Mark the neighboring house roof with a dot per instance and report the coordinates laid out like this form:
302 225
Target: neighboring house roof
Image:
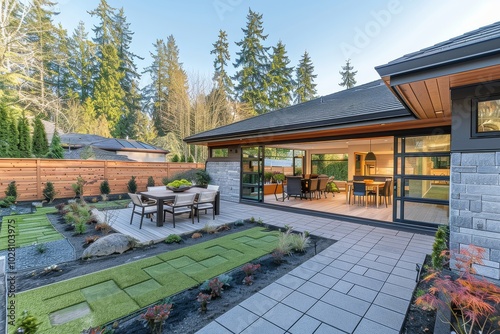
110 144
481 42
365 103
97 154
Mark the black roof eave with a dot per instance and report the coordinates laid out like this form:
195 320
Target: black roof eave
385 116
487 50
131 149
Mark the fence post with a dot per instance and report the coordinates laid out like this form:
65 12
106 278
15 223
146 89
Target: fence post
105 173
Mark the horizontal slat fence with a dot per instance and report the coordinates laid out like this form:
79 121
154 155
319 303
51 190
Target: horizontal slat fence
31 175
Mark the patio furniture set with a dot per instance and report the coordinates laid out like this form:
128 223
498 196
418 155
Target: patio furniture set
160 201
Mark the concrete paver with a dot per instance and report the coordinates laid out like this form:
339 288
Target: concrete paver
361 284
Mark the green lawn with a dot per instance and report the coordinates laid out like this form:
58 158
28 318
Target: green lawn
29 228
95 299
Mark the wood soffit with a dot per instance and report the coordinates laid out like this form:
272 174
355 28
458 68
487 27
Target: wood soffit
331 133
431 98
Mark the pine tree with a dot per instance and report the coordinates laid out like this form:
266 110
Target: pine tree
348 75
280 78
253 63
55 150
305 88
40 146
82 63
221 78
24 142
4 132
108 94
13 138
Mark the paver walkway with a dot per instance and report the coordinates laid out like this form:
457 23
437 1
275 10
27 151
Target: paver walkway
361 284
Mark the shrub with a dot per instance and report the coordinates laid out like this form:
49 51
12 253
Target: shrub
104 187
40 248
132 185
175 158
473 301
7 202
197 176
156 316
12 190
173 238
80 227
439 247
49 192
151 182
27 323
79 186
300 242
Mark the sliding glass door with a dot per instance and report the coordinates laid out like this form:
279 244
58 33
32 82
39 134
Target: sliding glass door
422 179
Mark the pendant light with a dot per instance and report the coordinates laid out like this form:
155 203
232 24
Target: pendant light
370 156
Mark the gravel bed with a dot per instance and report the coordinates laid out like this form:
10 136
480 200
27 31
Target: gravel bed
56 252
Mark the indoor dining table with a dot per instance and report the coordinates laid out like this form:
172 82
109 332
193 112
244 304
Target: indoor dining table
167 194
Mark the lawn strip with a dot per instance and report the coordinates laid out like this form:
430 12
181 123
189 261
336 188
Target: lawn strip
119 291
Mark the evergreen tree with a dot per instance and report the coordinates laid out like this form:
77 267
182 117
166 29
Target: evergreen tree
108 94
40 146
4 132
305 88
253 63
280 78
105 31
37 91
13 138
55 150
348 75
24 142
82 64
221 51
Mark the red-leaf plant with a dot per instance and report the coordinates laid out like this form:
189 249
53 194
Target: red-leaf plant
155 316
472 300
216 287
249 269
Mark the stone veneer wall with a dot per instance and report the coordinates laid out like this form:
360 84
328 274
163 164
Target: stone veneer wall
475 206
226 174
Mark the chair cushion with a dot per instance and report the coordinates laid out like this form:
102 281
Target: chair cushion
178 209
147 209
203 206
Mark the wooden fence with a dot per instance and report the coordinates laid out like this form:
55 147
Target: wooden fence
31 175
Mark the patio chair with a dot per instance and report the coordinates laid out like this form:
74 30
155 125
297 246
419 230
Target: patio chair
385 192
141 208
212 187
294 186
310 187
183 203
206 201
359 190
322 182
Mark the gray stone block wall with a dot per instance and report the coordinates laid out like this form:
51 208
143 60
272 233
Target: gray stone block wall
226 174
475 206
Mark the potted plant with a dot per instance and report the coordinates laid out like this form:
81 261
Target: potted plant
278 177
179 185
268 176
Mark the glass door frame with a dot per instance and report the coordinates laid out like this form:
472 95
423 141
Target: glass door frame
402 179
252 174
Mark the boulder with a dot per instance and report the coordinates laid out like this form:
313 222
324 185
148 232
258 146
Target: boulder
110 244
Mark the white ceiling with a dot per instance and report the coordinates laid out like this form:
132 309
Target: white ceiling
336 144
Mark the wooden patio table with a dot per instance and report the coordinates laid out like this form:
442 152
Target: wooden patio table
165 195
374 184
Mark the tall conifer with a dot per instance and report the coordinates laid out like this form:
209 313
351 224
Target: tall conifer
40 146
305 88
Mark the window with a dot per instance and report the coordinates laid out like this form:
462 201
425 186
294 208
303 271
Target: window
220 153
330 164
487 117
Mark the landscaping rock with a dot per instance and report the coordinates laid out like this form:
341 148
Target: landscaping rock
113 243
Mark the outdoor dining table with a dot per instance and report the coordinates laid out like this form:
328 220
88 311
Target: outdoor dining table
165 195
374 184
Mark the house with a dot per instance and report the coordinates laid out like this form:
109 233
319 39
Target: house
432 121
88 146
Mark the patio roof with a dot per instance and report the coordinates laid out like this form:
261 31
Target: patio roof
423 79
362 105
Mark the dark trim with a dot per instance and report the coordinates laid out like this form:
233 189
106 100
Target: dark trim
381 117
487 50
422 228
474 118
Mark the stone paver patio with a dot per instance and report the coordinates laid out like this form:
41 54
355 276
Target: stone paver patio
362 284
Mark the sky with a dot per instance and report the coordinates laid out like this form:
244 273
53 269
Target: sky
369 33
